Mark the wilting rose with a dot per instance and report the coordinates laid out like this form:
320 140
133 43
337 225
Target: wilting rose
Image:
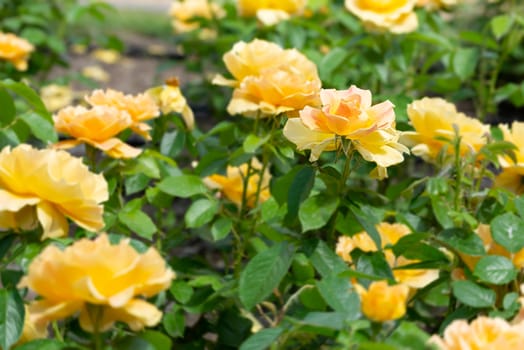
141 107
184 13
349 114
15 50
270 12
269 80
169 99
98 127
482 333
232 184
56 96
382 302
512 172
46 187
435 118
97 280
390 234
396 16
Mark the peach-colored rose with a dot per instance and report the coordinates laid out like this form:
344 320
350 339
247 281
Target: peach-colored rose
483 333
46 186
269 80
100 281
381 302
396 16
434 118
141 107
97 127
15 50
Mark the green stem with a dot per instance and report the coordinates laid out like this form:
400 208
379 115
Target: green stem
91 155
96 313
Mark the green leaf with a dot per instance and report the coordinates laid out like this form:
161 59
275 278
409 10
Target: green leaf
12 315
332 61
367 218
183 186
316 211
508 231
174 323
299 191
182 291
30 96
8 112
221 228
40 127
201 212
519 205
464 241
262 339
500 25
495 269
264 273
408 336
44 344
464 62
325 261
339 294
253 142
330 320
158 340
136 220
172 143
472 294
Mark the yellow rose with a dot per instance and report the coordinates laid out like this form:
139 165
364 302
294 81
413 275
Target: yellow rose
100 281
141 107
184 13
15 50
436 4
511 176
169 99
106 56
31 330
434 118
97 127
482 333
396 16
390 234
269 80
270 12
232 185
350 114
56 96
96 73
382 302
46 186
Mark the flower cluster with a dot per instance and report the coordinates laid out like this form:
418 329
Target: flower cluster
15 50
270 12
100 281
349 115
269 80
396 16
46 186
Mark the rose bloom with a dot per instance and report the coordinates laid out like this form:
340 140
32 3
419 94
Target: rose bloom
46 186
512 173
492 248
270 12
141 107
436 4
184 12
482 333
390 234
97 280
31 331
350 114
434 118
96 73
382 302
15 50
56 96
396 16
232 184
169 99
269 80
97 127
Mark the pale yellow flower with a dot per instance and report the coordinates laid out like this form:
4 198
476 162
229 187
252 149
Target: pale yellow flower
15 50
184 13
106 56
169 99
271 12
483 333
141 107
350 114
269 80
46 186
32 330
232 184
434 119
56 96
390 234
96 73
512 173
396 16
436 4
97 280
382 302
98 127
